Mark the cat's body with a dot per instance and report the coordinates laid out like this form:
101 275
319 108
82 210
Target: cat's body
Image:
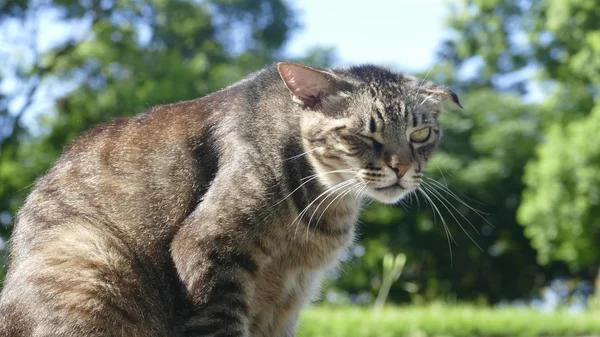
187 220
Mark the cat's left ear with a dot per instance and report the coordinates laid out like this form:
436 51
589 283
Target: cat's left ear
309 86
445 94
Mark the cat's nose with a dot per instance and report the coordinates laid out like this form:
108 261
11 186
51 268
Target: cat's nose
399 163
401 169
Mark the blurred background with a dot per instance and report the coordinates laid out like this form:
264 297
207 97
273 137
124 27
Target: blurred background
517 178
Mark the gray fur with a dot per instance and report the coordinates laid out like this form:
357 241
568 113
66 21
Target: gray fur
197 218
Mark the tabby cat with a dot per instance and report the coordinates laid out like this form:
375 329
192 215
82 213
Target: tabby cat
216 216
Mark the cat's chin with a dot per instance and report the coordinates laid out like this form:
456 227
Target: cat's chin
390 194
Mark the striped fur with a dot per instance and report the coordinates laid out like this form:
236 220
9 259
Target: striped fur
216 216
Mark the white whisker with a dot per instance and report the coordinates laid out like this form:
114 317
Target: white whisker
453 195
358 194
414 193
315 200
432 187
435 195
347 183
404 204
310 178
421 82
426 99
446 229
328 172
339 196
301 154
442 174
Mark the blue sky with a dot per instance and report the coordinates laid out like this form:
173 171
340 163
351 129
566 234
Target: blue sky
401 33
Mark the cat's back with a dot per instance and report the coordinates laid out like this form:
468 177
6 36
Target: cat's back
127 171
91 244
94 231
134 178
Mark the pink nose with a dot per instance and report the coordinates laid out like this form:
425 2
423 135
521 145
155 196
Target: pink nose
402 169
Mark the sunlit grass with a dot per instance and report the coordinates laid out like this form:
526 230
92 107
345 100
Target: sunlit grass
442 320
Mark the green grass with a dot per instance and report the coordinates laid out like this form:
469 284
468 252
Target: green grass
444 320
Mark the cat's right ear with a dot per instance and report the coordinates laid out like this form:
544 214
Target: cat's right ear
308 86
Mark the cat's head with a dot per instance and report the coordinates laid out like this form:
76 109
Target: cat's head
367 127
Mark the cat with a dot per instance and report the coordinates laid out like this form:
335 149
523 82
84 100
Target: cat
216 216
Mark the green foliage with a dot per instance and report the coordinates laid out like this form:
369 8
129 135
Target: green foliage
551 46
562 203
392 269
444 320
561 206
559 40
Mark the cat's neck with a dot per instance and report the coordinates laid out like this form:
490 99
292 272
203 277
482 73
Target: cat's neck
328 207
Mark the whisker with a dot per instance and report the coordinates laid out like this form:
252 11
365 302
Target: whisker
446 187
404 204
301 154
310 178
299 217
348 182
426 99
452 214
439 214
341 195
442 174
328 172
414 193
423 80
367 201
446 229
24 187
457 198
297 188
315 200
427 200
449 203
358 194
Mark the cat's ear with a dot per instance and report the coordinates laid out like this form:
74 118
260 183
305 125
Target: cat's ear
308 86
445 94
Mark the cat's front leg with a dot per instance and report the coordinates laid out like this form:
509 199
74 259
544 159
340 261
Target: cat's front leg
217 271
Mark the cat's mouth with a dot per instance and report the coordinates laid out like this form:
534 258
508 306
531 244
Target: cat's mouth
385 186
389 187
392 193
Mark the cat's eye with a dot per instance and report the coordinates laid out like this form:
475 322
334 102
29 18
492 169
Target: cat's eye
377 146
420 136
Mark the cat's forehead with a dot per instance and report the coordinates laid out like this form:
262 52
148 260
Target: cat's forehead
389 91
380 81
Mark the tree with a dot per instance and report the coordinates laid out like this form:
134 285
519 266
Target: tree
107 59
561 206
546 50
